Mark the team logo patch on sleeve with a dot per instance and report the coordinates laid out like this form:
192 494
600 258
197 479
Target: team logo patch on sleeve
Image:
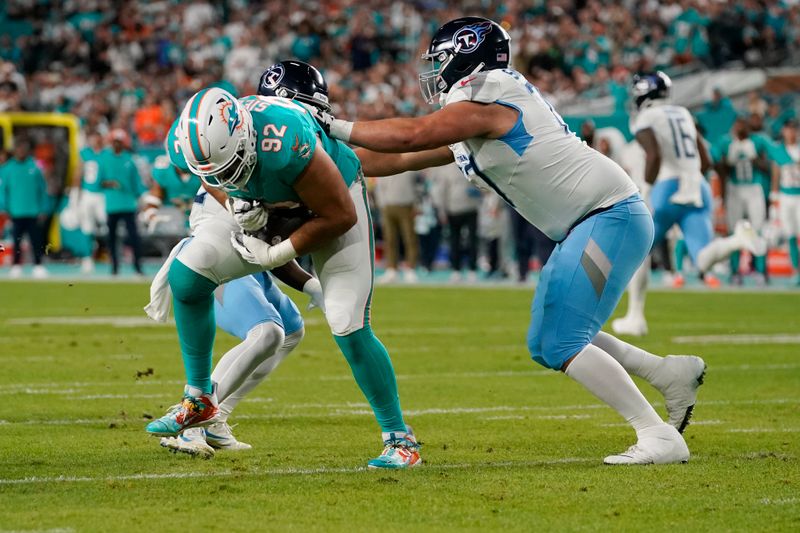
468 38
303 150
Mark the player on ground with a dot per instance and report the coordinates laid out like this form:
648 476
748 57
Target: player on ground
505 136
786 190
675 161
272 151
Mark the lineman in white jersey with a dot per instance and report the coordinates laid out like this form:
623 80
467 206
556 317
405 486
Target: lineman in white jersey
675 160
505 136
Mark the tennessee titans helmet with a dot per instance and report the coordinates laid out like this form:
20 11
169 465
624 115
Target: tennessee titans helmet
462 47
650 86
295 80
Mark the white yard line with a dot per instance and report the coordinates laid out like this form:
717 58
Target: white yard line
41 388
763 430
113 321
775 338
780 501
349 409
282 472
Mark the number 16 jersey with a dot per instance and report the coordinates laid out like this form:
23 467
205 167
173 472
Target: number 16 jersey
673 127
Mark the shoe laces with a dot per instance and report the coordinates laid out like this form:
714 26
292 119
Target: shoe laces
224 427
631 451
191 404
174 408
402 442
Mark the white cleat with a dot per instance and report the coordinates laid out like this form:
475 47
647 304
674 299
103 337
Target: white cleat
658 445
220 436
390 276
678 378
15 272
39 272
87 265
749 238
192 442
409 276
634 326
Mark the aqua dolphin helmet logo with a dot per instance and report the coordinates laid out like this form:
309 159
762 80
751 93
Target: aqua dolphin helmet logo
468 38
232 115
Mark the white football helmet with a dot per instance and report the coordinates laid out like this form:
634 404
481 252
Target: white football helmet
217 139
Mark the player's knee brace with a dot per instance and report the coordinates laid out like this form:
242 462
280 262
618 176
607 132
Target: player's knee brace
187 285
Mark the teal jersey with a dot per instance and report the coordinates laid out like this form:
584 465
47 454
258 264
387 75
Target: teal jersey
121 170
23 190
179 188
287 137
740 155
91 170
788 159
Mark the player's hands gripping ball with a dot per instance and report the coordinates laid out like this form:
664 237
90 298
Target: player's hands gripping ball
249 214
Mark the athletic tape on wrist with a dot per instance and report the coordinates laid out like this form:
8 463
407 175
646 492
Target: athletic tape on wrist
341 129
283 252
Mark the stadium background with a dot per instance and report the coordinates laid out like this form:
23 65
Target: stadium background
132 65
508 446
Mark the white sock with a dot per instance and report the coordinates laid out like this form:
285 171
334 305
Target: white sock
259 374
633 359
605 378
262 341
637 290
717 250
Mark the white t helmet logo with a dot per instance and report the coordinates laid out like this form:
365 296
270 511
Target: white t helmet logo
468 38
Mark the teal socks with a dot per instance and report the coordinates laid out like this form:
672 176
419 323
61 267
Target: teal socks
193 303
680 254
794 252
372 370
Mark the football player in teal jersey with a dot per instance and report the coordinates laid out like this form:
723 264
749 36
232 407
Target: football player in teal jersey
173 183
271 152
92 200
786 190
743 163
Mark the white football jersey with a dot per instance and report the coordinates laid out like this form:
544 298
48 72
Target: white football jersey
542 169
676 135
206 209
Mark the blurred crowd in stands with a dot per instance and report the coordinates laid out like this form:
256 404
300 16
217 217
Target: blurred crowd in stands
129 66
132 63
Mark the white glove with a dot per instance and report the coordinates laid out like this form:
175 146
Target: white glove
338 129
258 252
249 214
314 289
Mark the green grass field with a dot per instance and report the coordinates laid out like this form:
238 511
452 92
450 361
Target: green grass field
508 445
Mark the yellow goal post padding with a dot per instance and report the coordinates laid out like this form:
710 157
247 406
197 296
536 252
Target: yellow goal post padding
63 120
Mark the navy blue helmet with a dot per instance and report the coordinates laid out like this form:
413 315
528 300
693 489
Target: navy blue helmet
460 48
295 80
650 86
